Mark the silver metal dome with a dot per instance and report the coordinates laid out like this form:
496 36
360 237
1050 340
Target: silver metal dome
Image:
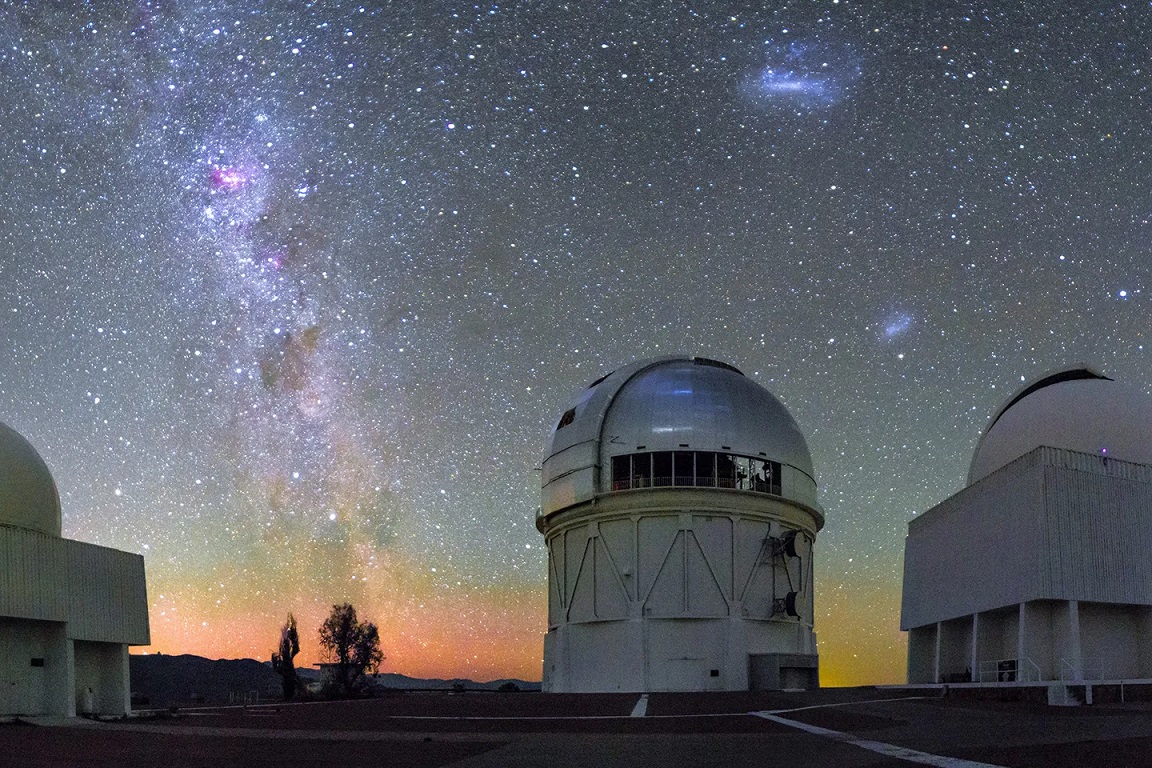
671 404
702 405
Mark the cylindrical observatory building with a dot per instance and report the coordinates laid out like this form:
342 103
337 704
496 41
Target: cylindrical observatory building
679 508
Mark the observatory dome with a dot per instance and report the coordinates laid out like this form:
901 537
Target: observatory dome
676 421
28 495
1077 409
705 405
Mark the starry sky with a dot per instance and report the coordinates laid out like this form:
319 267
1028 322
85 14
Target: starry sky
292 293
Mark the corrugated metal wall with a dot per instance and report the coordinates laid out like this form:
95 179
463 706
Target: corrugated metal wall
981 549
1099 530
100 592
33 569
1053 524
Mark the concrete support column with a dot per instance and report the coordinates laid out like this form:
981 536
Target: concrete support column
61 673
973 658
1021 645
1077 660
936 673
125 693
735 669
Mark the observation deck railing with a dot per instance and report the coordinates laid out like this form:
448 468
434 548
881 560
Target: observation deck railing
1009 671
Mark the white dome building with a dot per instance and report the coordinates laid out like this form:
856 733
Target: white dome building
679 509
68 610
1041 568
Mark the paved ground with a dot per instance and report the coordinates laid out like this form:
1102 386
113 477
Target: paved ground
846 728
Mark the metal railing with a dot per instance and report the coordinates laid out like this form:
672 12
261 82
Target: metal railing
1022 670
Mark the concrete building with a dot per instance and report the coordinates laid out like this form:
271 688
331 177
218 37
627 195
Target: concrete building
68 610
1041 568
679 509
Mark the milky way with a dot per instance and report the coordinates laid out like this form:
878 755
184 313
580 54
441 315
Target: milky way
292 293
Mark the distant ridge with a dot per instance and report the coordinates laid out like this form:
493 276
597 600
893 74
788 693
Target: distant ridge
403 682
161 681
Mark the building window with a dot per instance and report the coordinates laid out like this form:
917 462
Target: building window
662 468
641 470
705 469
621 473
685 473
725 471
700 469
37 662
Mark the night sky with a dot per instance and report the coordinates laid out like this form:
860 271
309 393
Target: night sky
292 294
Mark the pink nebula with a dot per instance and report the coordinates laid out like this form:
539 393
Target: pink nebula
229 179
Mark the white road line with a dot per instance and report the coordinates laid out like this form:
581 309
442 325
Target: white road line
644 712
888 750
841 704
532 719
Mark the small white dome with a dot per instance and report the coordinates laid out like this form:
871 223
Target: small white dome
1078 409
28 495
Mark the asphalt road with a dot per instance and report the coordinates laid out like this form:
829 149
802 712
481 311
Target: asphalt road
844 728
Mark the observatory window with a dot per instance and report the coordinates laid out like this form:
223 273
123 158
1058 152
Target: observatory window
621 473
568 417
685 468
765 476
641 470
706 469
725 471
631 471
743 472
662 468
700 469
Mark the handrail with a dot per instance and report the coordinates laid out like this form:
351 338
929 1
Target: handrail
1013 670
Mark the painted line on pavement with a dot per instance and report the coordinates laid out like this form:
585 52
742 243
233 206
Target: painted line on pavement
879 747
533 718
839 704
644 712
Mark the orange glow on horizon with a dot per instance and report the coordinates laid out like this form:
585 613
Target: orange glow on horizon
476 634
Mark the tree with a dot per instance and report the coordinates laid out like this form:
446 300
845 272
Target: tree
282 662
352 648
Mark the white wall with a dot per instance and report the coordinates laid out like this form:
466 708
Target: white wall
34 690
978 550
657 598
100 592
1052 525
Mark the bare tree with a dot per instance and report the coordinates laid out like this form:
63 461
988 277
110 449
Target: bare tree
352 647
282 662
